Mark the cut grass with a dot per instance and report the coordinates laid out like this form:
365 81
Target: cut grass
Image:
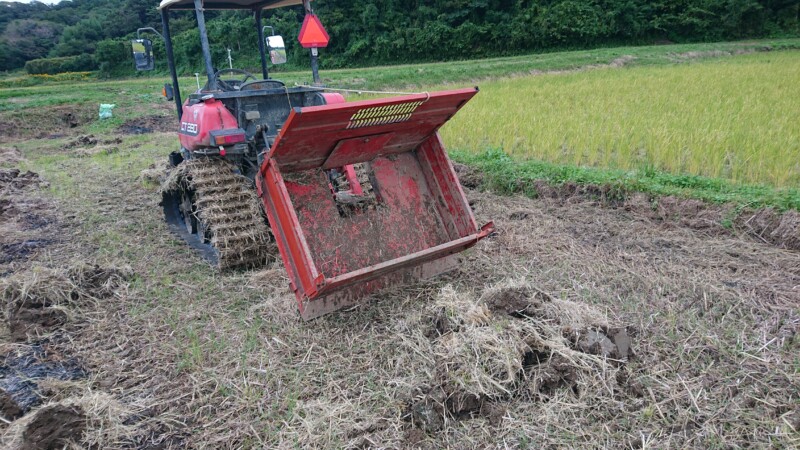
223 360
228 363
731 118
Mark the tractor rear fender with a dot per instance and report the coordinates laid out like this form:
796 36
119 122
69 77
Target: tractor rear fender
201 119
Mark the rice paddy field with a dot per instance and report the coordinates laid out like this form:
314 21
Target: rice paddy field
641 290
732 118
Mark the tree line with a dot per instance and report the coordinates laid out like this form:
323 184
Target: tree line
94 34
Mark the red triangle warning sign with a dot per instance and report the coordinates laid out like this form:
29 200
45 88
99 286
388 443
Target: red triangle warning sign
313 34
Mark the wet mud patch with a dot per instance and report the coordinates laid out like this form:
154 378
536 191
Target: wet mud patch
21 250
46 121
149 124
513 343
469 177
764 225
22 371
24 216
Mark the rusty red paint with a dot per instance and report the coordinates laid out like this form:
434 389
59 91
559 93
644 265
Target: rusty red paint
353 151
310 134
422 218
352 180
332 98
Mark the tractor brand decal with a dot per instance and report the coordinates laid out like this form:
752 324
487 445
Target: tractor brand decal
382 115
188 128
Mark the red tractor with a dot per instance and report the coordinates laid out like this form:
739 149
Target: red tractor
357 196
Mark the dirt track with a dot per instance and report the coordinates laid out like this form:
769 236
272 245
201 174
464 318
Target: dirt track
182 357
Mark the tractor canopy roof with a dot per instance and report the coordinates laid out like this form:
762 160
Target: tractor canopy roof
228 4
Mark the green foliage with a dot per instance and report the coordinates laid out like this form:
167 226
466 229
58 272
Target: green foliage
68 28
35 80
375 32
26 39
506 175
80 38
113 55
387 31
52 66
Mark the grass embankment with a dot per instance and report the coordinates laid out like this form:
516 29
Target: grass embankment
503 174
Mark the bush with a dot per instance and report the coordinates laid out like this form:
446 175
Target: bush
52 66
114 57
35 80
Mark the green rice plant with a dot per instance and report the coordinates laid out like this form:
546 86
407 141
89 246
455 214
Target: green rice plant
732 118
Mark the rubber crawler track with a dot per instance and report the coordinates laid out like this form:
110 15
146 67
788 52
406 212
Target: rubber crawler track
227 204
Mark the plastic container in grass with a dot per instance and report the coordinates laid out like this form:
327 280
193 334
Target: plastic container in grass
106 110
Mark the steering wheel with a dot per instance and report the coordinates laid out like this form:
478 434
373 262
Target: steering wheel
227 87
261 84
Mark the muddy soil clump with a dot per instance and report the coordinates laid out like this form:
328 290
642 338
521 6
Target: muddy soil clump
614 343
54 427
522 301
782 230
17 179
88 145
157 172
470 177
149 124
87 140
763 224
22 370
46 121
33 320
